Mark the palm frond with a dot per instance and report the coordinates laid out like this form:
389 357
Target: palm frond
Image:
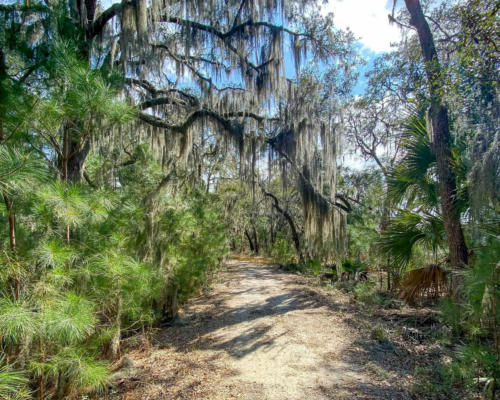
406 230
412 177
429 280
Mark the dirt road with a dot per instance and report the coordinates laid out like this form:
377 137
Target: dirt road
262 334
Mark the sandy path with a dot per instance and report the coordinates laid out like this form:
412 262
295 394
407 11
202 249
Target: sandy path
262 334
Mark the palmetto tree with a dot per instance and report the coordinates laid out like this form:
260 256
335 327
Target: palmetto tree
412 184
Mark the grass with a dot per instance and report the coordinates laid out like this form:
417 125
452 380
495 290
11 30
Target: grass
378 333
377 370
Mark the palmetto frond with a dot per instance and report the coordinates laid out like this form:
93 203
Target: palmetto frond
412 178
406 230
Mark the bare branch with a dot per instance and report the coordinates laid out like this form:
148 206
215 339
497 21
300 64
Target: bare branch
151 89
223 120
100 22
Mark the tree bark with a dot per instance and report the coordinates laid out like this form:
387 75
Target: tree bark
252 248
71 164
255 240
76 161
75 151
113 350
12 223
440 138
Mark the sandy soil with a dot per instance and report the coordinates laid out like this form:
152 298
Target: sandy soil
261 334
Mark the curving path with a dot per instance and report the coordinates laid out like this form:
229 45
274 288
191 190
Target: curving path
263 334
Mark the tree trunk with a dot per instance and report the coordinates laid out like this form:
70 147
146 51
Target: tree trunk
252 248
289 219
41 386
76 161
440 137
12 223
72 162
209 178
61 386
255 240
113 352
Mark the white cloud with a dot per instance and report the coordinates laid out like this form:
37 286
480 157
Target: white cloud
367 19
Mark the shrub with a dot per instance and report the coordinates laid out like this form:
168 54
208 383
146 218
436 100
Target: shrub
366 292
282 250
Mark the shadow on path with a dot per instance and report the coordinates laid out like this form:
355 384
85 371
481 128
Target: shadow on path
258 310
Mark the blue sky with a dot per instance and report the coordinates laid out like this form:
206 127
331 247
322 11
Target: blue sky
368 21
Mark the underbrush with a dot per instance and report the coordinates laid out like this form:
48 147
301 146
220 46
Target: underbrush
100 266
473 369
282 250
368 294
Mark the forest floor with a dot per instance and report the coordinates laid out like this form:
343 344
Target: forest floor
260 333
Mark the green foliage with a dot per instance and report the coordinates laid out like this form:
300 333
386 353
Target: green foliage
92 262
353 266
196 243
69 319
313 265
413 178
19 170
86 293
74 366
13 384
436 383
378 333
476 361
407 230
17 322
475 317
84 263
364 220
366 292
282 250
